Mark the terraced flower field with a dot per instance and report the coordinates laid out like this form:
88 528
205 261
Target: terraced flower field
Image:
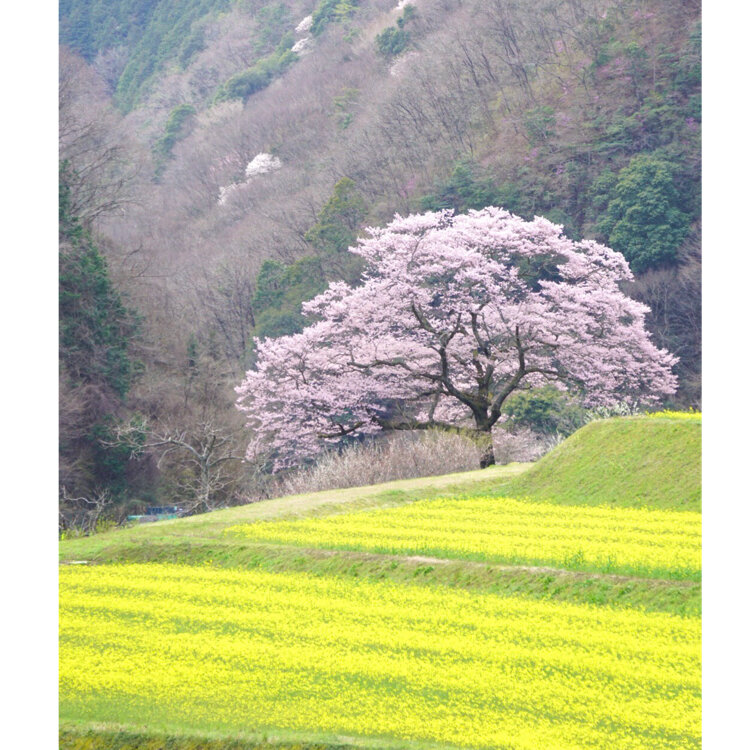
223 650
569 618
634 541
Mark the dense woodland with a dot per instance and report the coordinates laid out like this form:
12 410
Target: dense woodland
218 157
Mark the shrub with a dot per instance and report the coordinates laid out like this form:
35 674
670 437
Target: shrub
546 410
469 187
392 42
407 456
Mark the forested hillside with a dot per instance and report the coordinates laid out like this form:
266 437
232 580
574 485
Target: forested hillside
219 156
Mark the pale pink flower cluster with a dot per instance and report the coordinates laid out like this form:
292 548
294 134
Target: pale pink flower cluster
260 164
304 25
454 314
302 45
227 191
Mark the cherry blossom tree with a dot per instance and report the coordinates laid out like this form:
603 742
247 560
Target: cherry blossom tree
454 314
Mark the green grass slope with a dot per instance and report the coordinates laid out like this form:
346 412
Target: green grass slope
211 525
77 737
628 461
653 462
623 461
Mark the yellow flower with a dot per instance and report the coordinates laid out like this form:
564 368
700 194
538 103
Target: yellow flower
209 649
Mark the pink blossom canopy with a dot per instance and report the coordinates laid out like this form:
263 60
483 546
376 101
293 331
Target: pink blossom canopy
454 314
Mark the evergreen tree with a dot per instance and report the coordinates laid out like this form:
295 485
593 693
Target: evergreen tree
644 219
96 364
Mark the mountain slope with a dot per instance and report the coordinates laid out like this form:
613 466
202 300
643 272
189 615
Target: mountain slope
250 118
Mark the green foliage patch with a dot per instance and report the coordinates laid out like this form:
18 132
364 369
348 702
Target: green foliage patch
471 187
394 40
546 410
338 220
177 127
331 11
644 219
282 288
243 85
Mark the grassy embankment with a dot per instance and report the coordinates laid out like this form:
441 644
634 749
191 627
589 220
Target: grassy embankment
633 463
637 462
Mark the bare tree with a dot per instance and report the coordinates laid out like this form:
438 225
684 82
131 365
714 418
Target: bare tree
674 296
226 298
95 161
204 452
83 515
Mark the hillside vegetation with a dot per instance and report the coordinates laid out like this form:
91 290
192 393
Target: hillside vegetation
628 462
256 140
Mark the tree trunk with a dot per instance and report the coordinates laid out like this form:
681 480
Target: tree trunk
487 455
205 487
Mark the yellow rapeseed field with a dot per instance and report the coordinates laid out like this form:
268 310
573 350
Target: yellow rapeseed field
207 649
637 541
666 413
